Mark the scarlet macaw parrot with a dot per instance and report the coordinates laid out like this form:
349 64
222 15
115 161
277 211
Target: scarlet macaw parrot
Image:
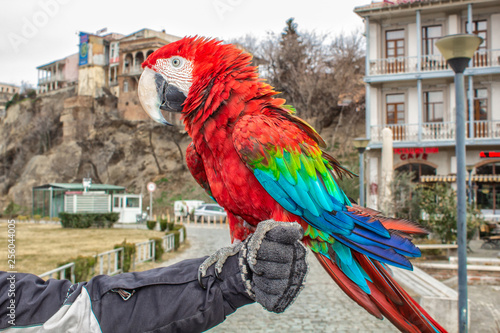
259 161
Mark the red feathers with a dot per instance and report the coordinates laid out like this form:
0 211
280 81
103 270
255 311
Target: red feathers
244 141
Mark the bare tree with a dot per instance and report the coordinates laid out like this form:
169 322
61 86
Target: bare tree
320 76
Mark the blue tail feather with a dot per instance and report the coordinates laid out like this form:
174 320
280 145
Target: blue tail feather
384 255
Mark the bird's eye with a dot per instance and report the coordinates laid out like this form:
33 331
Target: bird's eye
176 62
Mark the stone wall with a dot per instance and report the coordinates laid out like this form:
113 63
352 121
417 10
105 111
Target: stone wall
78 117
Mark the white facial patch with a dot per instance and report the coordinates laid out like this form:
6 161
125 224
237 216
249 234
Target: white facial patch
178 71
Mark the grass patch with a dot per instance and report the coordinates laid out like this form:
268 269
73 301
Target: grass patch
41 247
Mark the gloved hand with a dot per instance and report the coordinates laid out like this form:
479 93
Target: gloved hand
273 264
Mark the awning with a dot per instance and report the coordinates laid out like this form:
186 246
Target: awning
453 178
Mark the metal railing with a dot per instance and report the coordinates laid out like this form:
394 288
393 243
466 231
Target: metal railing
62 272
114 261
438 131
145 251
168 242
431 62
111 262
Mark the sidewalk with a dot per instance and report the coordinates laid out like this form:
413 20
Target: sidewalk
322 306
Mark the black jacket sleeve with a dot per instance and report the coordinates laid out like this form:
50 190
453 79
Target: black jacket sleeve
165 299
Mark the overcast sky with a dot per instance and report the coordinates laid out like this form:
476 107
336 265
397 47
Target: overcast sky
36 32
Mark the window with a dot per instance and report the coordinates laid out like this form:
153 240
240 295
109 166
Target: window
481 104
395 51
418 170
395 43
118 202
125 86
480 113
433 106
430 35
488 194
132 202
395 106
480 28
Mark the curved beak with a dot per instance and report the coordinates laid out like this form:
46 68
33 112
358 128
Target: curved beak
156 94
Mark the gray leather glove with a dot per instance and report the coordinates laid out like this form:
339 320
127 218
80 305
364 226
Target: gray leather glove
273 264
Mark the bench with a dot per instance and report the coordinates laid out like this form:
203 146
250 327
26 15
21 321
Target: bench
491 242
451 248
439 300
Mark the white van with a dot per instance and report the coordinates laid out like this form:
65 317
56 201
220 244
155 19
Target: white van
186 207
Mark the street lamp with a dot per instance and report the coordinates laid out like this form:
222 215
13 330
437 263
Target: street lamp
458 50
360 144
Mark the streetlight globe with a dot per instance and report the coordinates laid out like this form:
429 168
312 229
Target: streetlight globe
458 49
360 144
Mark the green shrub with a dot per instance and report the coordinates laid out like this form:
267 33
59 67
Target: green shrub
151 224
158 248
55 219
84 268
46 218
171 225
22 218
12 210
87 220
177 234
163 225
37 218
128 254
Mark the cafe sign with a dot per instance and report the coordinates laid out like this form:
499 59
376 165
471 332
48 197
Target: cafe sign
415 153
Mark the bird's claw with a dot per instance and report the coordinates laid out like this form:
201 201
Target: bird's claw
218 258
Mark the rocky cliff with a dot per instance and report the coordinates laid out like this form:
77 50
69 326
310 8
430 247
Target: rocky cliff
63 138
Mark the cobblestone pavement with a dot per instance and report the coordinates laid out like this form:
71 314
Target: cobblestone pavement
321 306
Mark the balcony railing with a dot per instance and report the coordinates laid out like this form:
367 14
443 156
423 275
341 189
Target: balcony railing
134 70
482 58
53 78
441 131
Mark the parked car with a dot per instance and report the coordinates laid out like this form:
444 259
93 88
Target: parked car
210 211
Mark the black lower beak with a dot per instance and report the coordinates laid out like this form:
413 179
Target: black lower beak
157 94
171 98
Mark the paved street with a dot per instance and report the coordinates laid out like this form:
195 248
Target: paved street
321 307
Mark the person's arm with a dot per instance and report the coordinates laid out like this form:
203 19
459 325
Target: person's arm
270 268
165 299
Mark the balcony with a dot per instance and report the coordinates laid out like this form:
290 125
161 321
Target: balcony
481 59
436 132
132 71
53 78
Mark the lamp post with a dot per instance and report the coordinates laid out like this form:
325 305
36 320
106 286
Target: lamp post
458 50
360 144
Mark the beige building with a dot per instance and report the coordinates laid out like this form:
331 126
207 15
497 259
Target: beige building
107 64
7 91
134 49
410 89
94 63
